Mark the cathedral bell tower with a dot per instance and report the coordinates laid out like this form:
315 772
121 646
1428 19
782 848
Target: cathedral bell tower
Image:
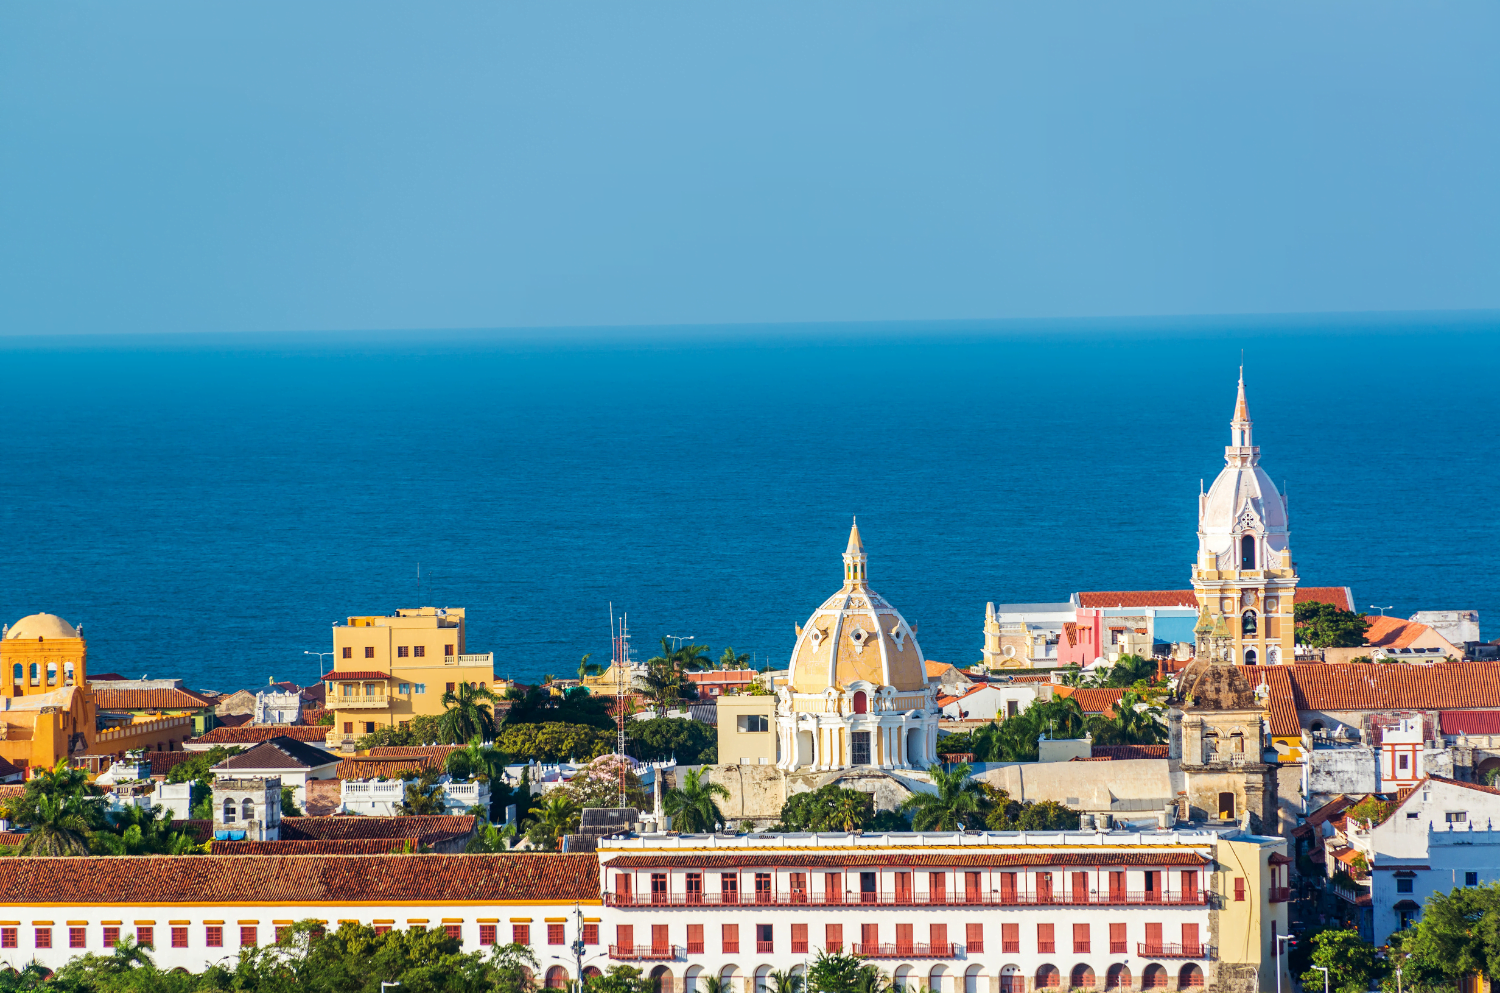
1244 578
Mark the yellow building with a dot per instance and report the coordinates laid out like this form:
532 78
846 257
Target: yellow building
1244 578
389 669
49 708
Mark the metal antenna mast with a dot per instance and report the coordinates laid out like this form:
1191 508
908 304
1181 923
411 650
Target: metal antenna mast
621 639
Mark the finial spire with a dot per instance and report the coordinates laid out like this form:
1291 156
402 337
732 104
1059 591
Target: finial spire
854 557
1239 427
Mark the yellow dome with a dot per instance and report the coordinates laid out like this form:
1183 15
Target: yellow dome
856 636
34 626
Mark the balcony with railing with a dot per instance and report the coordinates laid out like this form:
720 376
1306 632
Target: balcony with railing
947 950
645 953
796 898
360 701
1150 951
482 658
1281 894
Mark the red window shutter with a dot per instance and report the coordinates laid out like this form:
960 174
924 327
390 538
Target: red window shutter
971 887
1153 938
555 934
1008 887
732 938
974 937
489 934
937 887
520 934
1080 887
869 934
1044 941
625 935
799 938
833 936
659 940
622 884
903 936
937 935
1010 937
695 939
1190 885
1117 939
1080 938
1190 936
591 934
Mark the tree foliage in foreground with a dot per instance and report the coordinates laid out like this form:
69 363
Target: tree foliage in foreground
1322 625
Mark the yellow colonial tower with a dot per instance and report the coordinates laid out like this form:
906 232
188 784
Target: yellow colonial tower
1245 579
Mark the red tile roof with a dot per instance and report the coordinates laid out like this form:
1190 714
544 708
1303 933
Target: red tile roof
280 752
374 766
1281 702
389 751
342 846
350 827
723 676
1093 700
1339 596
1469 721
299 879
1129 751
250 734
162 762
167 699
334 677
1393 632
1370 686
1138 598
794 859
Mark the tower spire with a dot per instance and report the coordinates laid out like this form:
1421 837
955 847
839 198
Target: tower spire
1239 426
854 558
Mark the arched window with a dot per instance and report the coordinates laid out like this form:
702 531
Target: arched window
247 810
1154 978
1048 978
228 811
1247 624
1082 978
36 676
557 978
1251 658
18 677
1190 978
1247 552
1118 977
861 703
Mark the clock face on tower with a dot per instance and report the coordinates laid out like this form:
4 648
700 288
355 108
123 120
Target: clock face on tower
1248 599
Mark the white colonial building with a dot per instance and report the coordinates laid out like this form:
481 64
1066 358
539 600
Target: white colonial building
857 691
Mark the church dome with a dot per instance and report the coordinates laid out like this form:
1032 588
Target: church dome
41 626
1242 501
856 636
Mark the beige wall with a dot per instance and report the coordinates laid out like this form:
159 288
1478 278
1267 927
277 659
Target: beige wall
739 747
1245 928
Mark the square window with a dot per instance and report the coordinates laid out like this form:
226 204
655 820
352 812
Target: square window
401 651
447 649
454 931
44 937
214 936
10 937
348 727
799 938
369 727
145 936
369 651
179 937
450 687
348 652
111 937
1471 879
382 929
520 934
1457 816
77 937
488 934
247 936
555 934
420 687
1404 884
591 934
420 651
405 688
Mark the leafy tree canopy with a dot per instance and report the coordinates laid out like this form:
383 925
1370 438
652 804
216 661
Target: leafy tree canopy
554 742
539 706
1323 625
1351 963
693 742
619 979
599 785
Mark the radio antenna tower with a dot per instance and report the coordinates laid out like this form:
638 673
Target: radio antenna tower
620 636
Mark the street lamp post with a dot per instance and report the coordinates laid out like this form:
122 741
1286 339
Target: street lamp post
678 639
1382 610
384 984
1324 970
1280 951
320 662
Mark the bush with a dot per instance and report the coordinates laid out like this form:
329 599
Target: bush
663 737
554 742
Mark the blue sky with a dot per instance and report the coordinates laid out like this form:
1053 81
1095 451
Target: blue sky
293 166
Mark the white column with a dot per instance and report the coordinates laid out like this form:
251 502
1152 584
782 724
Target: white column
817 749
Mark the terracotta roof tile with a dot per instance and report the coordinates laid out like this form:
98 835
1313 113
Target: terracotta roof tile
1041 856
162 762
299 879
1137 598
254 733
1371 686
1470 721
1129 751
280 752
350 827
1281 703
441 751
166 699
1093 700
1339 596
332 846
935 669
334 677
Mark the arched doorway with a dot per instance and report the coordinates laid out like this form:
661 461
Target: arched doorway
1226 806
591 972
1011 980
762 979
557 978
1118 977
935 980
729 977
1048 978
861 703
1082 977
692 979
1190 978
974 981
661 980
904 978
1154 978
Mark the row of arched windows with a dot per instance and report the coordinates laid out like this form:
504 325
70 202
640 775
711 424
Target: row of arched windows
246 810
18 673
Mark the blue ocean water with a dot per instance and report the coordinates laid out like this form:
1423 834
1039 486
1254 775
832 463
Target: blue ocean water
208 507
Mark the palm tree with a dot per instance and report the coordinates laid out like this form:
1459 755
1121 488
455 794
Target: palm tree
424 796
59 826
468 713
691 658
663 683
783 981
555 818
958 800
729 660
144 831
871 980
587 668
476 760
848 810
1133 724
692 807
713 984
